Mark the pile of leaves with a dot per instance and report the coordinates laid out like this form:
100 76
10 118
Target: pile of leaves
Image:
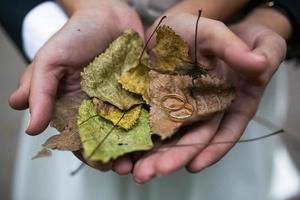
125 99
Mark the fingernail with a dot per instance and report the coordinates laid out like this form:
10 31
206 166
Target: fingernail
28 124
159 174
256 56
137 181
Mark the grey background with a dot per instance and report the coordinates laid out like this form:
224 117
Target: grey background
11 67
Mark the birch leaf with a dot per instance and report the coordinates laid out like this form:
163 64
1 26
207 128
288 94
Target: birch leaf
179 100
101 77
65 121
93 129
113 114
42 154
136 80
171 53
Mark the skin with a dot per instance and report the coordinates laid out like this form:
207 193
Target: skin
57 65
249 53
213 9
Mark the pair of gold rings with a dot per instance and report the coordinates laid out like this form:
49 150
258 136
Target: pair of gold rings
173 110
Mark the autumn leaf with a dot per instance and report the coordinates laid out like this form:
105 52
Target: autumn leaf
65 121
171 53
67 140
101 77
178 100
118 82
113 114
136 80
42 154
93 129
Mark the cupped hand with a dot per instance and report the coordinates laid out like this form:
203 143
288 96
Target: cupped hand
56 68
247 54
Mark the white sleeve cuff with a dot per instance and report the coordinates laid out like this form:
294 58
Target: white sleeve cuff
40 24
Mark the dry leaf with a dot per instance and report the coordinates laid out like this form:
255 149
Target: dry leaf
117 80
93 129
136 80
178 100
65 121
101 77
113 114
67 140
42 154
171 53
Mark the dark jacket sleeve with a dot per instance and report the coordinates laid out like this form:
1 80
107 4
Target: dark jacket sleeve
12 13
292 9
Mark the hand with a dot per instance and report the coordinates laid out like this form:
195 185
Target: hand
56 67
248 55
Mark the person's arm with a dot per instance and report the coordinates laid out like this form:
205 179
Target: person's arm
71 6
216 9
272 19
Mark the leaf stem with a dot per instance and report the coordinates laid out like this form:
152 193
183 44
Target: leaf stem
196 35
97 147
221 142
160 21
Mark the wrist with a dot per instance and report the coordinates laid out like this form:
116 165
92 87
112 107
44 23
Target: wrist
210 10
272 19
78 6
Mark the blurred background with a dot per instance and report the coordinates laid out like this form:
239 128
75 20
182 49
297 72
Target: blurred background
12 65
285 182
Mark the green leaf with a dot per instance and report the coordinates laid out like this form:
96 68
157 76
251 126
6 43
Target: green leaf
93 128
101 77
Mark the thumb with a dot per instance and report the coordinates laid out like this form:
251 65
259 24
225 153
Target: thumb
262 61
218 40
42 96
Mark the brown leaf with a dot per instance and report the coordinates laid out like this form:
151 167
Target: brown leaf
67 140
65 121
178 100
42 154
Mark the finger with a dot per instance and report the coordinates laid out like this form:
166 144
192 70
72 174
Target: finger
144 169
272 48
100 166
164 160
220 41
94 164
177 157
42 96
19 98
231 129
122 166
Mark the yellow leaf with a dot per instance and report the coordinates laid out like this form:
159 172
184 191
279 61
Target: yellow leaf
170 51
113 114
136 80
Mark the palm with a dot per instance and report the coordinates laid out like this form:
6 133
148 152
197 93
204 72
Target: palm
80 40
